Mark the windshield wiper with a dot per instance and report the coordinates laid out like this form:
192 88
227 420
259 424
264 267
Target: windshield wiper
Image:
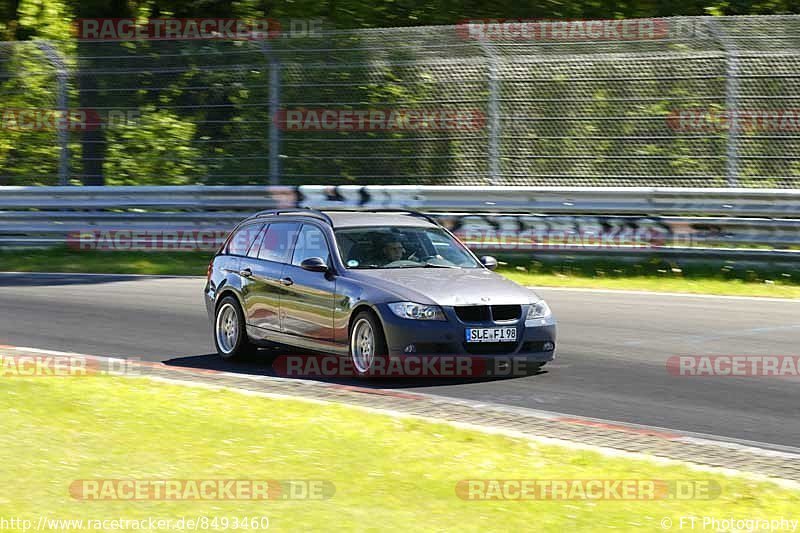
434 265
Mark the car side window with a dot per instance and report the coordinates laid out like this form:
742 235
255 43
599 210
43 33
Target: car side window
277 243
253 251
242 240
310 243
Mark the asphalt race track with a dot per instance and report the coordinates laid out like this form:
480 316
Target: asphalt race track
611 363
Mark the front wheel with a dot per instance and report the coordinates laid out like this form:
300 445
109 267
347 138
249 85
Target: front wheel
367 345
230 334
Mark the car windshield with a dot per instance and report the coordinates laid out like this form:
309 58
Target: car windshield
402 247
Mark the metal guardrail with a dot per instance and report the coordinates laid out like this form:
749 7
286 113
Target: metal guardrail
649 201
762 223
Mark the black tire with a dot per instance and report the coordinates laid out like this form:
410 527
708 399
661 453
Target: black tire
227 347
378 365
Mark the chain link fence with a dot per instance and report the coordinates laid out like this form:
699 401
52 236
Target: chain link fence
28 81
690 102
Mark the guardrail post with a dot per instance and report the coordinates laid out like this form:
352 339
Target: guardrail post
731 101
493 112
62 79
274 109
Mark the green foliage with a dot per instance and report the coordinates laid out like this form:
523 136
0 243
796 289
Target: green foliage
204 115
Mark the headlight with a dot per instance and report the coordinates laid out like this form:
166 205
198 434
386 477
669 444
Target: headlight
417 311
538 311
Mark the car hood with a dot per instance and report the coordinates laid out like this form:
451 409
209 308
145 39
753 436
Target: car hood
449 286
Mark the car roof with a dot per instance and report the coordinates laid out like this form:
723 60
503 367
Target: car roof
352 219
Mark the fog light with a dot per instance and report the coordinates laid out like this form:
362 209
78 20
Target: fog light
548 346
411 348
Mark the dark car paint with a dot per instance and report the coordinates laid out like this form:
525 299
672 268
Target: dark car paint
349 291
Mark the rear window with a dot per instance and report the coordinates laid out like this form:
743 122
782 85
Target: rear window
278 241
253 251
242 239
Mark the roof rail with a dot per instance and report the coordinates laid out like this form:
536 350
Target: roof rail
411 212
298 211
323 216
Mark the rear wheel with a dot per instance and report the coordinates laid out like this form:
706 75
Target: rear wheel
230 334
367 345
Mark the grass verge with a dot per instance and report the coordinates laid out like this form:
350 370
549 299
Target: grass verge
655 274
735 278
94 262
388 472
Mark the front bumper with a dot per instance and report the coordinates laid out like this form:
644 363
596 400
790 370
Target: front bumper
436 337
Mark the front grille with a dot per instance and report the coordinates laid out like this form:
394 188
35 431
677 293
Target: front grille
473 313
506 312
485 313
490 348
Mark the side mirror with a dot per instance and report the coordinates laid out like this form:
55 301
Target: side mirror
489 262
314 264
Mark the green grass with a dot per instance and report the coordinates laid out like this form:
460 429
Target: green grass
390 474
656 274
720 277
67 260
657 284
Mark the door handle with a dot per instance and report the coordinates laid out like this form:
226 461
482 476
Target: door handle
286 281
246 273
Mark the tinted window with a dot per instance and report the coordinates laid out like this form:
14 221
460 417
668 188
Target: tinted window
241 241
278 241
310 243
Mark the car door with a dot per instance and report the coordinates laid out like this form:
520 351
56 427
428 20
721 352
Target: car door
308 301
235 249
263 269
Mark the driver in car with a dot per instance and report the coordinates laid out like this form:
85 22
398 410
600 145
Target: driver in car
393 250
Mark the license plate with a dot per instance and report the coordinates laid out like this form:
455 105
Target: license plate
491 334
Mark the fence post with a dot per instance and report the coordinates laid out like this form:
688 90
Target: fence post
62 79
731 101
493 110
274 109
